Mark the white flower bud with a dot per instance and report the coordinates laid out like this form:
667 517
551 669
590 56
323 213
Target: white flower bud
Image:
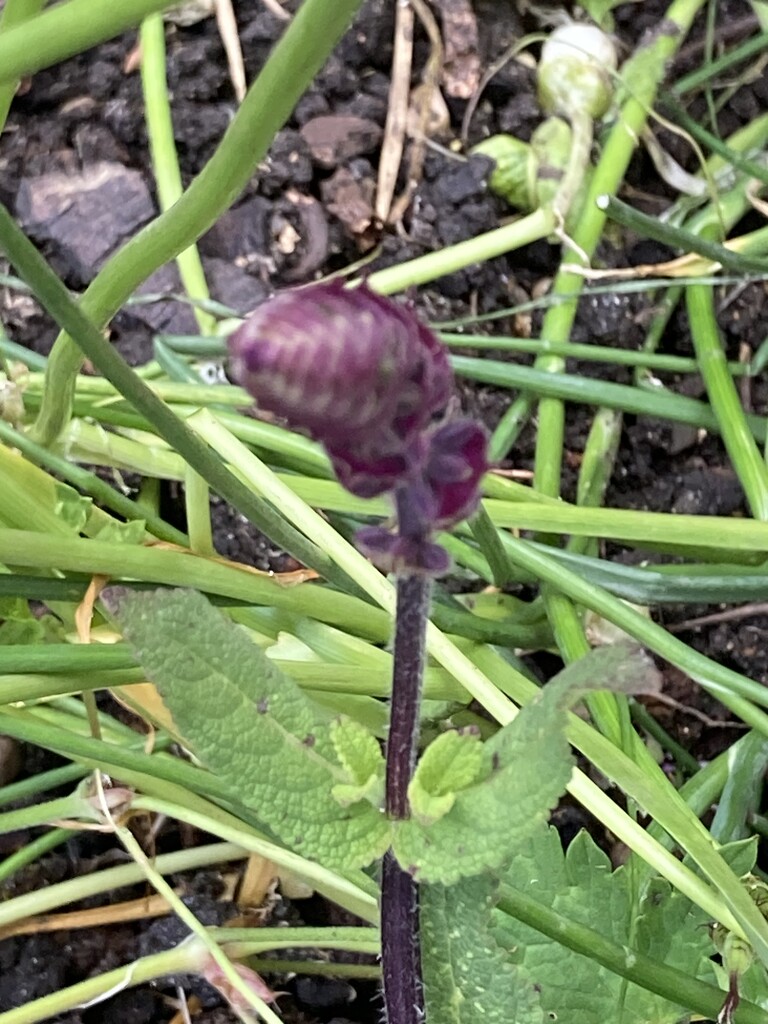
576 71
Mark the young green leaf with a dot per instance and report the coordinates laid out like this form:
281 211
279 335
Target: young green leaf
249 724
362 760
451 763
524 770
468 977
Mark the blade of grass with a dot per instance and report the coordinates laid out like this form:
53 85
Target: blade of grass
744 454
660 404
66 29
165 162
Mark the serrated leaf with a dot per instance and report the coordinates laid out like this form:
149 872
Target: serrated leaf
579 884
468 977
525 769
249 724
450 763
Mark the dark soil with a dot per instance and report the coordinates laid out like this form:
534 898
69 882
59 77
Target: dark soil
74 167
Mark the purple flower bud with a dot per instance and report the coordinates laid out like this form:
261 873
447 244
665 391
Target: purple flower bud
342 363
362 375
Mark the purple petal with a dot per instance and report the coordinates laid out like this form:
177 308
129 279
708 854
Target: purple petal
455 466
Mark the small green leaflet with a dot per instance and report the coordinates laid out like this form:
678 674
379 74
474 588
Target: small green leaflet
523 771
250 725
360 755
468 977
450 763
580 885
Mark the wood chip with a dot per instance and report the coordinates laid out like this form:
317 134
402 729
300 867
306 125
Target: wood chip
461 67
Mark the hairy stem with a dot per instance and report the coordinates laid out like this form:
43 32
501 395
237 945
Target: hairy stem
400 955
413 594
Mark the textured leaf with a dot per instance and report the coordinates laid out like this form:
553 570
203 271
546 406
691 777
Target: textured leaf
449 764
468 977
656 920
362 760
249 724
525 769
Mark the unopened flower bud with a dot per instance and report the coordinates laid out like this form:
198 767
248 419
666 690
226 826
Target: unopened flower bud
575 73
362 375
357 371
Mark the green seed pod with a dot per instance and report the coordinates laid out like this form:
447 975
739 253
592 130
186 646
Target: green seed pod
575 71
514 176
551 143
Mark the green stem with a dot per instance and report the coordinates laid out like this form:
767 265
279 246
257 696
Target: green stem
66 29
29 853
14 13
298 56
40 901
474 250
711 69
687 241
186 958
728 686
744 454
172 568
165 161
660 404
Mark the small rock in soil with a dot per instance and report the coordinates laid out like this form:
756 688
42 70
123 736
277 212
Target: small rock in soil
336 138
350 199
85 215
241 233
319 993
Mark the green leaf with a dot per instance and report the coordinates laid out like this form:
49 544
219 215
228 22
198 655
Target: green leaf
249 724
636 912
360 756
21 626
71 507
451 763
468 977
524 770
112 531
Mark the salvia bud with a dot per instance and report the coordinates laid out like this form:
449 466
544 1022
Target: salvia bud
361 374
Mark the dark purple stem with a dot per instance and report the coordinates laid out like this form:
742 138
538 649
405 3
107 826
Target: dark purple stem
401 967
413 593
400 954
